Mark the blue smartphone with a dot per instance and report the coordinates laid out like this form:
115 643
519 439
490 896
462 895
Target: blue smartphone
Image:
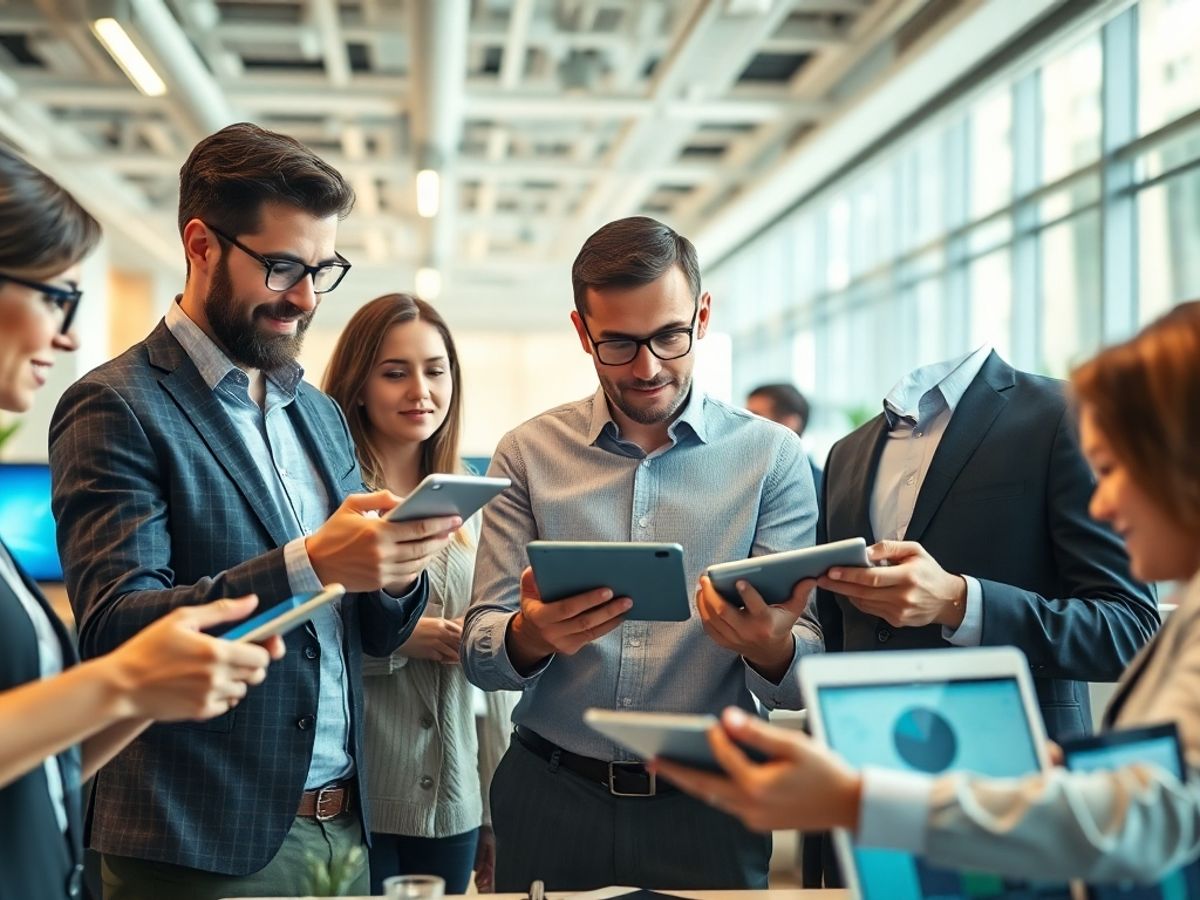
283 616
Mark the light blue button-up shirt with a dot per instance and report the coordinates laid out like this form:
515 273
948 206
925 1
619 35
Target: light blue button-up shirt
728 485
294 484
918 410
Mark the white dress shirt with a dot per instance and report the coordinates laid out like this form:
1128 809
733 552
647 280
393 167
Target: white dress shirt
918 411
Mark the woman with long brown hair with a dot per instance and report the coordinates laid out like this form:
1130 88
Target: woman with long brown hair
1139 420
395 374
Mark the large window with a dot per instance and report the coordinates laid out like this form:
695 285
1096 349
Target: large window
1051 210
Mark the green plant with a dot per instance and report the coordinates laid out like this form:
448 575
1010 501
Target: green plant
859 415
7 431
336 877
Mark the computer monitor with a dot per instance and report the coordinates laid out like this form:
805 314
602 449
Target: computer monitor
26 523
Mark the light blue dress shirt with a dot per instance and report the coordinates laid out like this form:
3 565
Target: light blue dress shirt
294 484
727 485
918 411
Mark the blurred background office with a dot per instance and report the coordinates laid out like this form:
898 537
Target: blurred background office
871 184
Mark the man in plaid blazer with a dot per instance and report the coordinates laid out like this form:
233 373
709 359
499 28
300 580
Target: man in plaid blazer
198 465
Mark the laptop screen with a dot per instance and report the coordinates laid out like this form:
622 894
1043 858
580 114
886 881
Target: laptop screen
973 725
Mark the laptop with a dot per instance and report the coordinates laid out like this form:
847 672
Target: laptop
1157 744
927 711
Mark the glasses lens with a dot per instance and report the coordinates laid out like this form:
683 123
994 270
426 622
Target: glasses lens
671 345
284 275
616 353
327 278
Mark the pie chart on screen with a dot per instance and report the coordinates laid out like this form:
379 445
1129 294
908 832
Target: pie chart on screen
924 739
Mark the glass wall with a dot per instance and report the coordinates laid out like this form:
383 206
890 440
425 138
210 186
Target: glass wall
1054 209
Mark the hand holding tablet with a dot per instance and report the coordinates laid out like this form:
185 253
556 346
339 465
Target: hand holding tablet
776 574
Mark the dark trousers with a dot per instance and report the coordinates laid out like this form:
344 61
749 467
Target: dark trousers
453 858
575 836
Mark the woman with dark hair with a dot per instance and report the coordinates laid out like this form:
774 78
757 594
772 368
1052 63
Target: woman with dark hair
60 720
395 374
1139 420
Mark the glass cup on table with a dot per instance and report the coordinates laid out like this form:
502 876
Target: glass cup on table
414 887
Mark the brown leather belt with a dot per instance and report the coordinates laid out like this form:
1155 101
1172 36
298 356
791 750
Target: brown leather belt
327 802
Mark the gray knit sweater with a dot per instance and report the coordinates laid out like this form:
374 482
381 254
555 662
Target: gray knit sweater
429 766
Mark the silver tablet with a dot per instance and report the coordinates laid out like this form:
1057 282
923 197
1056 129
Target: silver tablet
775 574
651 575
447 495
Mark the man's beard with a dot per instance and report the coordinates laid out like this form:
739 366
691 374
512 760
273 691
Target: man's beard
245 342
657 414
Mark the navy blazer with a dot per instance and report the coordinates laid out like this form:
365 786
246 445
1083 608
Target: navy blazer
159 504
38 860
1005 501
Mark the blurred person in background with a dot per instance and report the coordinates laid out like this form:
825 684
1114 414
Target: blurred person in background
396 376
783 403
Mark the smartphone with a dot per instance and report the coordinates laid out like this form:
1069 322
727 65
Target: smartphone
283 617
447 495
775 574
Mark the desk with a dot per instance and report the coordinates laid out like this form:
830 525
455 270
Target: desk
779 894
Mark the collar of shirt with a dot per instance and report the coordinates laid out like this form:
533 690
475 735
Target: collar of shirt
691 415
925 391
211 360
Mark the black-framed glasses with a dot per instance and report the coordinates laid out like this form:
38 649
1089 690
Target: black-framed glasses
285 274
670 343
66 299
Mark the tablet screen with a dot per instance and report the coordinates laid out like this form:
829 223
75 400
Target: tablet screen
973 725
1158 745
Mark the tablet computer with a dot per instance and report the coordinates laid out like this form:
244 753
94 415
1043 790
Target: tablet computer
1157 744
775 574
651 575
447 495
928 711
283 616
679 737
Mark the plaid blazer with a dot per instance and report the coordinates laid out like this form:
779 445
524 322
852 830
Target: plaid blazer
159 504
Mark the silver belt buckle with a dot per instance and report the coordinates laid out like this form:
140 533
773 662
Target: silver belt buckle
612 781
320 814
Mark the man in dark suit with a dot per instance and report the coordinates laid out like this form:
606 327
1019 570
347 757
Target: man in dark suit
973 483
198 465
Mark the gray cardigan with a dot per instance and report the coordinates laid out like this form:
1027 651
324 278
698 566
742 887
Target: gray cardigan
429 767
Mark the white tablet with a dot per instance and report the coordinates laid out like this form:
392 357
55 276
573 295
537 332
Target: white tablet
447 495
675 736
775 574
928 711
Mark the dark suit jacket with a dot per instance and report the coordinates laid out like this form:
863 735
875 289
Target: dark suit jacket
38 862
159 504
1005 501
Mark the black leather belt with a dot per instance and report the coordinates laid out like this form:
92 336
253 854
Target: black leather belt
622 779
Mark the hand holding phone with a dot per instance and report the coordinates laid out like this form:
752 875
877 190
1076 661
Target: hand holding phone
283 617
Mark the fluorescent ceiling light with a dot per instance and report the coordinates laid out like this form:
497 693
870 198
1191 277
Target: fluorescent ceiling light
428 283
429 189
135 65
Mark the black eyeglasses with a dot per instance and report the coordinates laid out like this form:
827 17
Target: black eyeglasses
285 274
670 343
66 299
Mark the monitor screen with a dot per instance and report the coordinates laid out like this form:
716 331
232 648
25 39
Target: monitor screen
972 725
26 524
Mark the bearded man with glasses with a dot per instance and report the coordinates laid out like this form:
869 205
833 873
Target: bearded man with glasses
648 457
199 465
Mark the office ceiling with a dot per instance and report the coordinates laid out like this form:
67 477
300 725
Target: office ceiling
545 118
